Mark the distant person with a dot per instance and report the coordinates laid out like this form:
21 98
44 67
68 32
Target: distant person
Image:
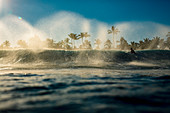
132 51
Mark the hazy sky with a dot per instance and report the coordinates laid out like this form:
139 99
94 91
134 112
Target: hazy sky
109 11
136 19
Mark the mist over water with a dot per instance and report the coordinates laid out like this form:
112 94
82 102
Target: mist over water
14 29
56 59
59 25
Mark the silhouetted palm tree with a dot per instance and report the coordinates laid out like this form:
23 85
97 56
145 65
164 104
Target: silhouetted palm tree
50 43
134 45
87 45
167 43
113 31
97 43
155 43
86 35
147 43
141 44
73 37
123 44
168 35
108 44
66 43
59 45
162 44
6 44
1 46
22 43
81 35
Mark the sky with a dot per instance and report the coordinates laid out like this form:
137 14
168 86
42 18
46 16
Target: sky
136 19
109 11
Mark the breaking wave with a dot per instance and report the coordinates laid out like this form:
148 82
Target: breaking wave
86 58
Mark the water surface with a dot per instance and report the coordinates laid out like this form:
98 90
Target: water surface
126 83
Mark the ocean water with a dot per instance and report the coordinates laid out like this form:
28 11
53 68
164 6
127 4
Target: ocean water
54 81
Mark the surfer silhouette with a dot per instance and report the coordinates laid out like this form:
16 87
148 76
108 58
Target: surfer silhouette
132 51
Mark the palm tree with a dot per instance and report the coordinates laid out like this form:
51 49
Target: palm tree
123 44
86 35
87 45
168 35
162 44
113 31
50 43
97 43
83 35
73 37
141 44
108 44
59 45
147 42
134 45
6 44
66 43
155 43
167 43
22 44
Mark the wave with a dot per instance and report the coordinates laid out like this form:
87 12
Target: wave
86 58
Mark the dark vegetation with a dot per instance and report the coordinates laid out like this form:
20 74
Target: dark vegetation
69 43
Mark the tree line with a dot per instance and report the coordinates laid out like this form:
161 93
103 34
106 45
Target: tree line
69 43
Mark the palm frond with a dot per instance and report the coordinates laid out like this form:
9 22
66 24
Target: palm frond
109 31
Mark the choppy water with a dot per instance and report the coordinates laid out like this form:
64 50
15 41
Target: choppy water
131 84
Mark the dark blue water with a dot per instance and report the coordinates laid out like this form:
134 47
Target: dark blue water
84 82
85 90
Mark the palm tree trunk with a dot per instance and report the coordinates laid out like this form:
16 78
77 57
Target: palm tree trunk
72 43
113 40
82 41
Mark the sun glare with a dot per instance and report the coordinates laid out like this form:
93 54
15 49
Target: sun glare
0 6
20 18
5 6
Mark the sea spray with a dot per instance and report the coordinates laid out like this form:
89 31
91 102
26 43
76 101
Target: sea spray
85 58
